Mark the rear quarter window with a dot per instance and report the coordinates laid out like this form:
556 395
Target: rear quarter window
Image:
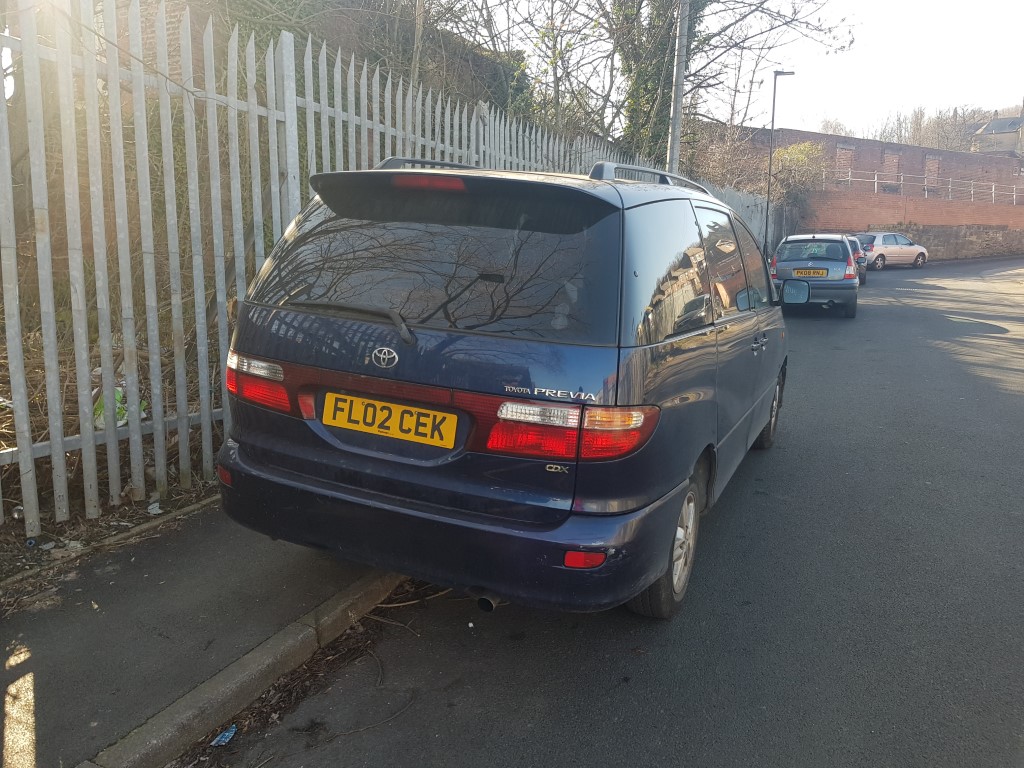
498 257
666 291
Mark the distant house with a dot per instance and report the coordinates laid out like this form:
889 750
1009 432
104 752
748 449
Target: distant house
1001 136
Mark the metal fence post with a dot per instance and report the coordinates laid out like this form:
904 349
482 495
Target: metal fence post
287 92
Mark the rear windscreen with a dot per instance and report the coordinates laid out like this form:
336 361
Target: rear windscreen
482 255
866 239
820 250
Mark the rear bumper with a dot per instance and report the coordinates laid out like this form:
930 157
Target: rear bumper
512 560
844 292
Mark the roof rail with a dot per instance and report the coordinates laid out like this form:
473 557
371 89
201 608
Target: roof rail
608 171
393 163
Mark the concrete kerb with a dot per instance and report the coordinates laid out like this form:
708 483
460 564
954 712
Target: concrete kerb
168 733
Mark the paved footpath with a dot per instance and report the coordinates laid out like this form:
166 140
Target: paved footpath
146 647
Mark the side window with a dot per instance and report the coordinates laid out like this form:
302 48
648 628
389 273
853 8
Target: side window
725 265
666 290
889 239
759 286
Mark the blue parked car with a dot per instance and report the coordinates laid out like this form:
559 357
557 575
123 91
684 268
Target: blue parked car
529 386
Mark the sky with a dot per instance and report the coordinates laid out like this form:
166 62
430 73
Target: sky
906 54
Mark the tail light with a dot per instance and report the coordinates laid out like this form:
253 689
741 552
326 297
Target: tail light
257 381
851 269
771 267
556 431
609 433
536 430
543 430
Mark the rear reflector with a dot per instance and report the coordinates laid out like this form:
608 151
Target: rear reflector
224 474
307 404
426 182
574 559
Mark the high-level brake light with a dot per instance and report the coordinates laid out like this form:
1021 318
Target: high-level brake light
428 182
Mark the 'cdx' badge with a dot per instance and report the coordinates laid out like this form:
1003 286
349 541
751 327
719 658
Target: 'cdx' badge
384 357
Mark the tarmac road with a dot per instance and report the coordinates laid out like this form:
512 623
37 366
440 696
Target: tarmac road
858 596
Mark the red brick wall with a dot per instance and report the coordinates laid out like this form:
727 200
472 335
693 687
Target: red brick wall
949 229
864 156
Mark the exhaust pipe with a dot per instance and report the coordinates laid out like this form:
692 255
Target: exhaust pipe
487 603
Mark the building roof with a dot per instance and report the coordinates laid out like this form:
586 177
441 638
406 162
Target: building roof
1001 125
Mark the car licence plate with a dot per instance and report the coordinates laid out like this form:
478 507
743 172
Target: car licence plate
810 273
401 422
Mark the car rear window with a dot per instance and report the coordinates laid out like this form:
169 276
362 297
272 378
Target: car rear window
821 250
866 239
494 256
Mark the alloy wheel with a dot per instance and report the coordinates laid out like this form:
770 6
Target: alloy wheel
682 550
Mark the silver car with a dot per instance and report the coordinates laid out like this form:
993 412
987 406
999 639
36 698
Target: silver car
883 248
826 262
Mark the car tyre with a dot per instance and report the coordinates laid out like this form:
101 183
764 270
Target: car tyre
850 310
766 437
661 600
879 263
919 261
862 278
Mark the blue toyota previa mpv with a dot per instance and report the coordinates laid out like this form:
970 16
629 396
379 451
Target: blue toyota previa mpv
529 386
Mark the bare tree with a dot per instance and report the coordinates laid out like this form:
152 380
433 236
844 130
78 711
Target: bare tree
948 129
835 128
606 66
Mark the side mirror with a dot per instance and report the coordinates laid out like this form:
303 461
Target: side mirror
796 292
862 260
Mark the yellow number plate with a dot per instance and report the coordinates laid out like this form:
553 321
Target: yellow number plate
810 273
402 422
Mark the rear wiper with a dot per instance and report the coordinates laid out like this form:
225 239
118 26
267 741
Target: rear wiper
354 310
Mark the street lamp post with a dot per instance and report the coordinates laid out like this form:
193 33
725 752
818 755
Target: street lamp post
771 151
